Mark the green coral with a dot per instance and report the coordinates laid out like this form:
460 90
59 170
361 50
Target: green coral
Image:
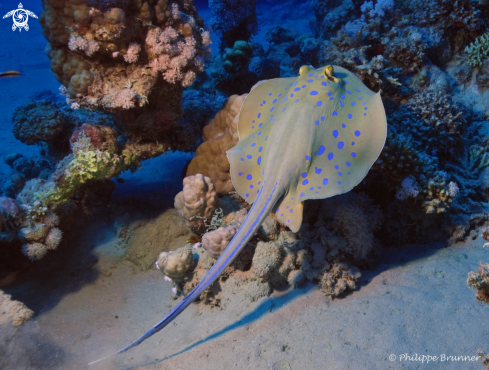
89 163
478 50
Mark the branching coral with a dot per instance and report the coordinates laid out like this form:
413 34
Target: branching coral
478 50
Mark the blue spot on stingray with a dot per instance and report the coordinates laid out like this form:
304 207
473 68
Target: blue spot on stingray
305 182
266 137
242 159
252 126
325 181
341 144
287 207
284 109
308 158
310 80
249 156
353 154
342 96
352 143
259 182
335 113
357 133
304 175
297 89
330 156
269 94
313 92
249 177
295 83
264 102
252 145
330 93
346 82
303 86
341 104
317 122
253 137
279 95
353 103
311 74
323 118
364 102
260 149
360 98
365 114
296 100
261 105
348 164
319 187
302 194
350 116
335 133
274 101
258 133
348 173
271 110
259 115
311 188
291 211
260 125
339 174
278 209
240 174
315 76
343 125
319 103
339 182
336 167
321 150
291 95
357 90
247 195
348 91
258 162
318 170
281 215
365 108
287 221
324 82
251 186
253 121
331 98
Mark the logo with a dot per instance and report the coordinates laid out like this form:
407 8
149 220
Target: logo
20 17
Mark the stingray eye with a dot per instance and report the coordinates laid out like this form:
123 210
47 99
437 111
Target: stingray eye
304 69
328 70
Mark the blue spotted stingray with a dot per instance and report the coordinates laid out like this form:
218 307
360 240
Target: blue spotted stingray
307 137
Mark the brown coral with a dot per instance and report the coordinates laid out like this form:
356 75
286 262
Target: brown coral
220 135
197 202
216 241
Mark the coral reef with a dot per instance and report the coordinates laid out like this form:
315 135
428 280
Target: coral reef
219 135
216 241
197 202
480 281
135 58
14 312
339 279
233 21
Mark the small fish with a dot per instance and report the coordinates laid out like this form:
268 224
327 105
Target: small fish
10 74
307 137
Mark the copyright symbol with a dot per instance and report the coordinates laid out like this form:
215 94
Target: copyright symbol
392 357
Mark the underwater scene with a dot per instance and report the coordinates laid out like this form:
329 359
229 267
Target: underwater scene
244 184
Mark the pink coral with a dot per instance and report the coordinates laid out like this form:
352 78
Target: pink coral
132 53
34 251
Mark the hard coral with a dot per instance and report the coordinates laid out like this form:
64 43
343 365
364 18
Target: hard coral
197 202
220 135
176 264
37 121
480 281
216 241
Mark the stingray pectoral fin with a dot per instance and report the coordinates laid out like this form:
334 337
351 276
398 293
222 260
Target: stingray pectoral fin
260 210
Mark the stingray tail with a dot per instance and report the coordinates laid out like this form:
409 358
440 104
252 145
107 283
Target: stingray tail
258 212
